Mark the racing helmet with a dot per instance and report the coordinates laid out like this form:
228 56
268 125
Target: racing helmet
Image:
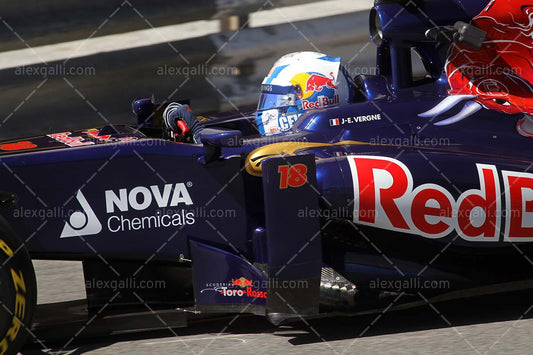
299 82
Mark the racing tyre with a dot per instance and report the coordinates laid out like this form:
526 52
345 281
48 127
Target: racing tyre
18 291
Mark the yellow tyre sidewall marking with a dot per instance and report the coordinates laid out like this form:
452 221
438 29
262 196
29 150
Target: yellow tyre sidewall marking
20 302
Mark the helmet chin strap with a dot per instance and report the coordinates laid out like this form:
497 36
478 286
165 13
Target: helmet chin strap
525 126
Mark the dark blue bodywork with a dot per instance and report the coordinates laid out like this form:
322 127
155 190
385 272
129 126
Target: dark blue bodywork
123 195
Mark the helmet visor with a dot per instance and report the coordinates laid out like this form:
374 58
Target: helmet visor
273 97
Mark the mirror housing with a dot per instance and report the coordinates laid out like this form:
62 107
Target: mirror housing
214 139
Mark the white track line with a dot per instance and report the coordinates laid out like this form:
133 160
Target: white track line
152 36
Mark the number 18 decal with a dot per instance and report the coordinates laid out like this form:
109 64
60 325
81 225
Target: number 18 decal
292 176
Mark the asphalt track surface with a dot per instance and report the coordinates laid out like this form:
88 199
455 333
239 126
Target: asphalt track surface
420 332
36 105
488 325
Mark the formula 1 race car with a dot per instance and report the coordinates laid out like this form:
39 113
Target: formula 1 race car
419 189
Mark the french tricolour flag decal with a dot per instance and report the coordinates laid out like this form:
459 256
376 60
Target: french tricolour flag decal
334 122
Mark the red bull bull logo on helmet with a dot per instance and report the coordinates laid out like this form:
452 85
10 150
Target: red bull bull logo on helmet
311 83
316 82
317 90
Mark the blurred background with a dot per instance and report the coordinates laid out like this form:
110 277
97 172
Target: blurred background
66 64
